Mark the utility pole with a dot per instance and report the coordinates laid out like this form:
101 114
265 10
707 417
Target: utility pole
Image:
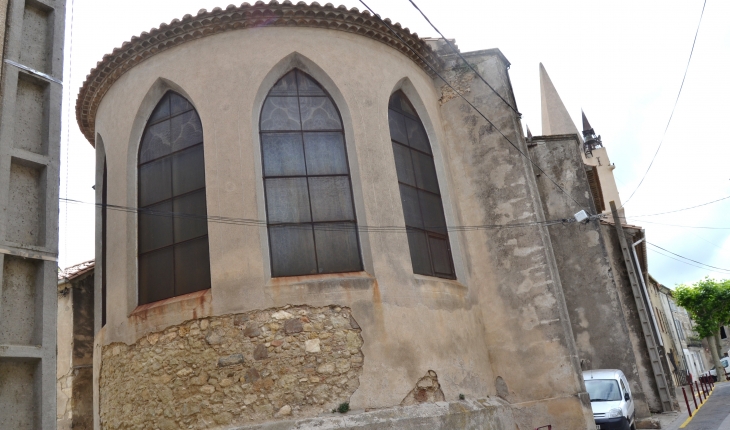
646 328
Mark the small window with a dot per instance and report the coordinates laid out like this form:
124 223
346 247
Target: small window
309 206
172 223
420 194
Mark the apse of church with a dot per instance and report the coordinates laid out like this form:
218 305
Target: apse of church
303 182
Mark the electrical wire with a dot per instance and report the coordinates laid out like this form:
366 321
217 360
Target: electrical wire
688 259
406 44
456 51
661 142
678 225
341 226
684 209
68 127
681 261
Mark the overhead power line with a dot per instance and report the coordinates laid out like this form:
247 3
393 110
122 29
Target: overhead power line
679 225
661 142
688 259
436 72
683 209
683 261
456 51
335 226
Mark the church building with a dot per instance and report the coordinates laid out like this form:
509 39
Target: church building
297 216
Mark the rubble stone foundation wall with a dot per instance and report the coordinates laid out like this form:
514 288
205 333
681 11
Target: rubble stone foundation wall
235 369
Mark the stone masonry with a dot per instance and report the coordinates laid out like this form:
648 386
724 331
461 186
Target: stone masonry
234 369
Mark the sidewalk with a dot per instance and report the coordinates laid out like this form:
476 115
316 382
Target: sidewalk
714 415
718 408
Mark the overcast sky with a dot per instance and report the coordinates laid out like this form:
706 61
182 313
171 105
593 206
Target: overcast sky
620 61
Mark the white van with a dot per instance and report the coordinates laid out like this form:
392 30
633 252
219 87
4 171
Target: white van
611 400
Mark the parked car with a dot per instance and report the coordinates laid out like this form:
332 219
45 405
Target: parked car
611 400
713 372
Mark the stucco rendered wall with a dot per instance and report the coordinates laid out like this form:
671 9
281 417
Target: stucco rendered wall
523 300
75 340
596 314
503 319
628 304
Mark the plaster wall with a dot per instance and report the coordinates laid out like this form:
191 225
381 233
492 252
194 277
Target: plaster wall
605 176
482 333
628 305
655 297
75 353
64 360
523 297
674 339
596 314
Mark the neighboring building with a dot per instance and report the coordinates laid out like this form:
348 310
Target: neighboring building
672 348
328 161
31 42
75 347
696 352
612 325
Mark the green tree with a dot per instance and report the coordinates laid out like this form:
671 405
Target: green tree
708 302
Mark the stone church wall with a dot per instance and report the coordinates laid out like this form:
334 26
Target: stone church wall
234 369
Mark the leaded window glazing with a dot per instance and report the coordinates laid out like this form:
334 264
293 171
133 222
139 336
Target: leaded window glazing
310 212
428 237
173 229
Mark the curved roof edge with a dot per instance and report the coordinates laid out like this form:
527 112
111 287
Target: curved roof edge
274 14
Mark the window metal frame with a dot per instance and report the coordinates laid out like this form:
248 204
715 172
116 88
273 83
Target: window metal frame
301 132
144 210
429 234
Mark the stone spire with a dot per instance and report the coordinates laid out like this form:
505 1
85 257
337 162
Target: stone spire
555 117
529 134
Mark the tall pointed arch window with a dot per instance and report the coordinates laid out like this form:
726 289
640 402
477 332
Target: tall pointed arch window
309 207
419 191
173 231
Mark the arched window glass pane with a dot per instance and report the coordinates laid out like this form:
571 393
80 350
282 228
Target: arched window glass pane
172 224
309 206
423 210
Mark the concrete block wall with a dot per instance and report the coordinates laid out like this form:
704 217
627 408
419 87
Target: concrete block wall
30 133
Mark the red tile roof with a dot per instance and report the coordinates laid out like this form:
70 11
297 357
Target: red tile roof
274 14
75 271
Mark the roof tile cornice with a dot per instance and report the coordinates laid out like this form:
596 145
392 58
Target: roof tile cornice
274 14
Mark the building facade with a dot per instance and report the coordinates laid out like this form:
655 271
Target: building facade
31 86
301 214
75 340
613 325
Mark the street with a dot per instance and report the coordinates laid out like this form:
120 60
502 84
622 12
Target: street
713 415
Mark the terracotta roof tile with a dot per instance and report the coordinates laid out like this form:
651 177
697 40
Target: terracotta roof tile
273 14
75 271
631 226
